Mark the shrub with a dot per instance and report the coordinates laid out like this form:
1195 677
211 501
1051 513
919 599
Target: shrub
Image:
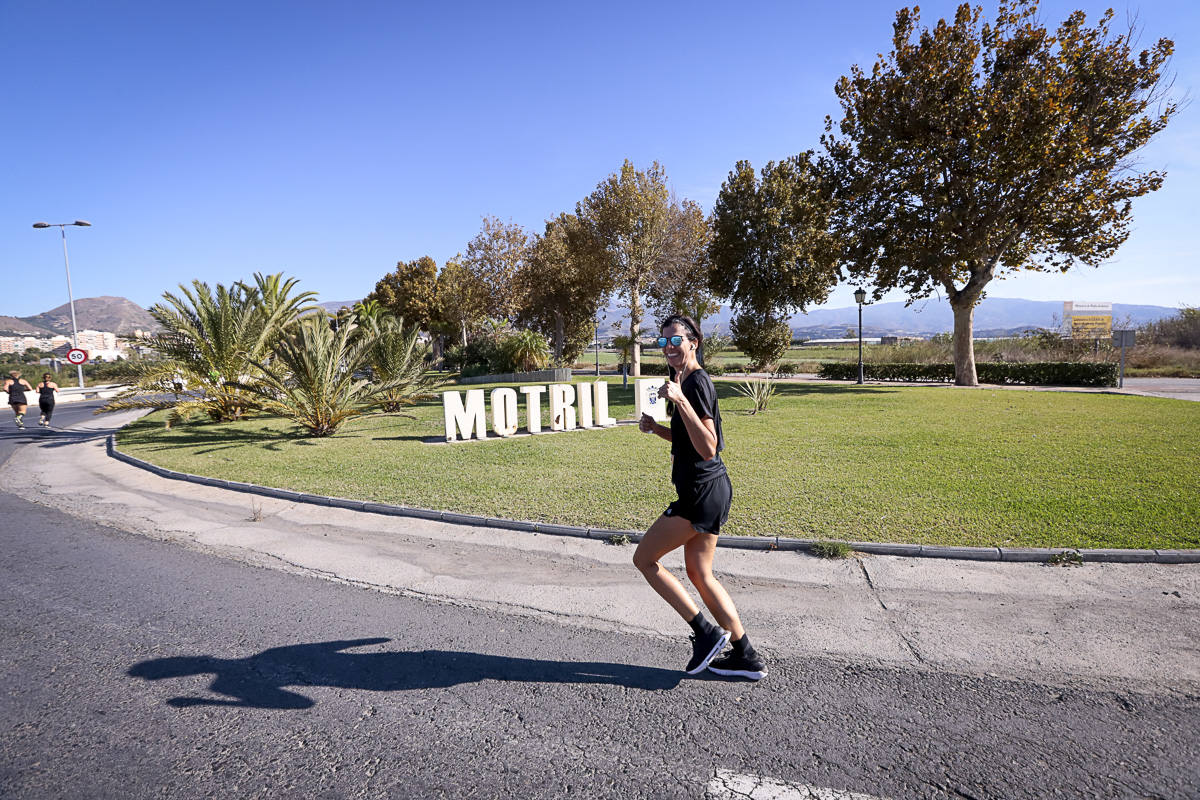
1046 373
759 392
1181 330
763 337
786 368
524 351
827 549
654 367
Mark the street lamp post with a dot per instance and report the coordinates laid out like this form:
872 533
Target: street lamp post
62 226
860 296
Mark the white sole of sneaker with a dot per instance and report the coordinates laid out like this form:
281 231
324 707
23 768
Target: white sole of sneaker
740 673
720 645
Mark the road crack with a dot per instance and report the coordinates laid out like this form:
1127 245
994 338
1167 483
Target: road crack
890 616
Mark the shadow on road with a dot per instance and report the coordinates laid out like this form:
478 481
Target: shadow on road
258 681
52 437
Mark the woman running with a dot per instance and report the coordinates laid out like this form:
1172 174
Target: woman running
47 392
695 518
15 385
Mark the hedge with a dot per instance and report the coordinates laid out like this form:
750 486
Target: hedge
1038 373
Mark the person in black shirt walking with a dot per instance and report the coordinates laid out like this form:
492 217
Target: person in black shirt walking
694 520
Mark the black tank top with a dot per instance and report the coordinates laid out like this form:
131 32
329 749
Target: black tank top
46 392
16 393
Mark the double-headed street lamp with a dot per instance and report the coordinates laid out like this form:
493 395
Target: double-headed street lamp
860 297
62 226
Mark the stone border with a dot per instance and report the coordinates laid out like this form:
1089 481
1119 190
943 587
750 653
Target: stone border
767 543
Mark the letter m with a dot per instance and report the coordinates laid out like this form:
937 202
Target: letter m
460 419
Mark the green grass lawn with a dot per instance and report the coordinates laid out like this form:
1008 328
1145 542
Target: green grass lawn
887 464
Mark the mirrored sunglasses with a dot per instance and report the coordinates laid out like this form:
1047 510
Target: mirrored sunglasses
675 340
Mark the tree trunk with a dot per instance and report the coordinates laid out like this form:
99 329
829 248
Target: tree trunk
464 332
635 325
964 342
560 333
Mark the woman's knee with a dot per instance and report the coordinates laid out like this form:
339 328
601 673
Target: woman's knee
698 572
645 562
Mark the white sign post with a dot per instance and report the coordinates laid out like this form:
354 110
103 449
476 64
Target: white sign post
646 399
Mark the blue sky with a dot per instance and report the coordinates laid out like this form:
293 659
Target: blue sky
330 140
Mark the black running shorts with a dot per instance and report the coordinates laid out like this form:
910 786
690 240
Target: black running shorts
706 506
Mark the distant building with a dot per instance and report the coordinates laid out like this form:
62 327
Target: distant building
97 340
836 342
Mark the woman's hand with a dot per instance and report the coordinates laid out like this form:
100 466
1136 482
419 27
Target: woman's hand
646 424
671 391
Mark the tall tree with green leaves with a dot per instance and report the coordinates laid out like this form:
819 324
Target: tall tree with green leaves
629 217
462 299
564 282
494 257
681 285
974 150
772 249
410 291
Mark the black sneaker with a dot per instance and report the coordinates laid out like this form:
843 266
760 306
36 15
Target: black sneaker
705 648
734 665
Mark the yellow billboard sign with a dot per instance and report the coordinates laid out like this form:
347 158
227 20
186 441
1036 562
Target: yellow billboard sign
1091 326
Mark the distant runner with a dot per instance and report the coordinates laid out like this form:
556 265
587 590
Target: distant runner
15 385
694 520
47 393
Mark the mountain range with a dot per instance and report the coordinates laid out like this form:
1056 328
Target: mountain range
115 314
995 316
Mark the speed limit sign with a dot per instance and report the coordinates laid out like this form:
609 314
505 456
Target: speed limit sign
77 356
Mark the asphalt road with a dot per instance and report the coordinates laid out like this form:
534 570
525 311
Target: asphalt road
135 668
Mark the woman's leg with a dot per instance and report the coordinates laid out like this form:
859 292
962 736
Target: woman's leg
47 411
665 535
698 557
19 414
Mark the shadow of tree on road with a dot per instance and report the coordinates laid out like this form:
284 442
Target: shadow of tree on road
259 681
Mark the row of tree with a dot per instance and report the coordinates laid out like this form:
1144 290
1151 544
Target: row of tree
630 237
971 151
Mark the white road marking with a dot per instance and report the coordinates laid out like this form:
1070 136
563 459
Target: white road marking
729 785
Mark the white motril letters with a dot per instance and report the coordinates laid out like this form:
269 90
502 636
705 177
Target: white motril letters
571 406
504 412
465 418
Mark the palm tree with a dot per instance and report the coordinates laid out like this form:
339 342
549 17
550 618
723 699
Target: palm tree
397 358
623 344
209 347
318 377
527 351
311 379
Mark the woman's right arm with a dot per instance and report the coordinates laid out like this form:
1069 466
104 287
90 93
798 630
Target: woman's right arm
647 424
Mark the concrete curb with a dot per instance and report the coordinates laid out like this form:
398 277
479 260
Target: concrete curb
765 543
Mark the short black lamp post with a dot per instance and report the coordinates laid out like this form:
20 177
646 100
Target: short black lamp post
860 297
